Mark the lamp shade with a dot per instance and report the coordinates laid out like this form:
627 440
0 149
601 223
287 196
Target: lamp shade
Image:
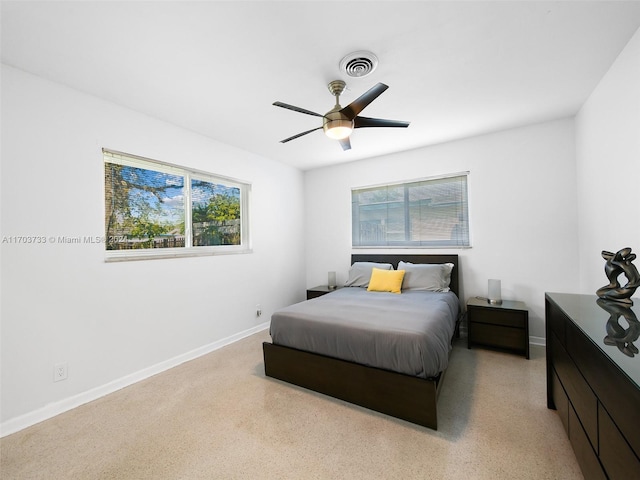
495 294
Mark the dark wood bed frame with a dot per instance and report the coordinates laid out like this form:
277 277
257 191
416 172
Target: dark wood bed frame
402 396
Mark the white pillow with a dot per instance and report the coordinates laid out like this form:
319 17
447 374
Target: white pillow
360 273
423 276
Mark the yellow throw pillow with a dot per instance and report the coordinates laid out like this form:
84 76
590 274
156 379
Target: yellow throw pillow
385 280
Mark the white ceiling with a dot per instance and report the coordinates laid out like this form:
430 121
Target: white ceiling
455 69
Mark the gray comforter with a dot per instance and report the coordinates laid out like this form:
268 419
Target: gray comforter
408 333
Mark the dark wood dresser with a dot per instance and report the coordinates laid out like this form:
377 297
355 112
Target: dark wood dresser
593 378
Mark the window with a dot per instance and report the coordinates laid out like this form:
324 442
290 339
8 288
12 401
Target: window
423 213
153 209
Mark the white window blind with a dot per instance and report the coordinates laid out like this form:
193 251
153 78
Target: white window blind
423 213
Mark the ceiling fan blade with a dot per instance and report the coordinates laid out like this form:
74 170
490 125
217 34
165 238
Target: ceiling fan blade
296 109
345 144
299 135
361 122
355 107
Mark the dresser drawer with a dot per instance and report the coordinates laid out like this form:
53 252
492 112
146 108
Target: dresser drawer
585 454
506 318
617 457
555 320
495 336
560 400
320 290
580 394
314 294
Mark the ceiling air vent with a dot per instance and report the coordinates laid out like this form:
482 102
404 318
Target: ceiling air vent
359 64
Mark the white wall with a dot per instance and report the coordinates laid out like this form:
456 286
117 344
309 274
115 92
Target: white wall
522 195
116 322
608 167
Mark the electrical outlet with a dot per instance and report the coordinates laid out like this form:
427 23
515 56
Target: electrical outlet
60 371
258 310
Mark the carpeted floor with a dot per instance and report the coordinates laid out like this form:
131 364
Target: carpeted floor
220 417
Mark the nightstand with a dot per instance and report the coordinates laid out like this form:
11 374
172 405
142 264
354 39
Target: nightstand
504 326
319 291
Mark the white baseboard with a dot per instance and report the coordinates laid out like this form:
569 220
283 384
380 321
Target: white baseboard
49 411
541 341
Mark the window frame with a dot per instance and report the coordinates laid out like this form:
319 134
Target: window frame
416 244
120 158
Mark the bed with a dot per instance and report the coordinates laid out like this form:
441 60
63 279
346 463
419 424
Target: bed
312 348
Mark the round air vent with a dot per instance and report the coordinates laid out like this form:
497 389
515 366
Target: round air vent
359 64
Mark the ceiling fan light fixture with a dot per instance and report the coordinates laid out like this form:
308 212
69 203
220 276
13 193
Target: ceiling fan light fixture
338 129
339 122
336 124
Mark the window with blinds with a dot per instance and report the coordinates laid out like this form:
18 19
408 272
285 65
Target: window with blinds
423 213
154 209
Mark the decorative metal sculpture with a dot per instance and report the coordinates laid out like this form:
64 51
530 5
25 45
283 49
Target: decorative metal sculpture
620 263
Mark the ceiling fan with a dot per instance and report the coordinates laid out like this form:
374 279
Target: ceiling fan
339 122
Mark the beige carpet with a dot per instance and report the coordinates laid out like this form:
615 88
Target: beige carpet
220 417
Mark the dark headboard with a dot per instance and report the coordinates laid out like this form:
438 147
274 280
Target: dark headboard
395 258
